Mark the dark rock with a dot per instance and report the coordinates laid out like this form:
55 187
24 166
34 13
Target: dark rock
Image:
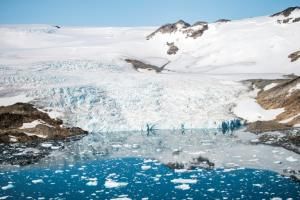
169 28
223 21
296 20
288 139
265 126
200 23
196 33
199 162
12 118
172 48
175 165
294 56
27 112
140 65
183 27
286 12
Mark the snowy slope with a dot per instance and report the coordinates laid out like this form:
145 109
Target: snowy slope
81 73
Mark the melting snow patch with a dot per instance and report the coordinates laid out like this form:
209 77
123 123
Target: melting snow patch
267 87
113 184
251 111
32 124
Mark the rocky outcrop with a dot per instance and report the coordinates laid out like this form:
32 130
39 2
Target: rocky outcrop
139 65
285 94
294 56
199 162
287 12
286 16
23 123
223 20
266 126
172 48
288 139
182 27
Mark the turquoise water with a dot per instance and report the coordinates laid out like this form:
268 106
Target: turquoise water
135 178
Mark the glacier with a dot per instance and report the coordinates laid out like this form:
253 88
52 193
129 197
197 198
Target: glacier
79 74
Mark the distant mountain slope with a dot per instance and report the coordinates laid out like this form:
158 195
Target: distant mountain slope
256 45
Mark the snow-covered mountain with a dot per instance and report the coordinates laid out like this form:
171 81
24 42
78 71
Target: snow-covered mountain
81 72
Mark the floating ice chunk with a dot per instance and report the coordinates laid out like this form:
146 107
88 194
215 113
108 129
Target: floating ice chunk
37 181
211 190
183 187
146 167
291 159
92 182
148 160
3 197
180 170
8 186
276 198
258 185
181 180
121 198
113 184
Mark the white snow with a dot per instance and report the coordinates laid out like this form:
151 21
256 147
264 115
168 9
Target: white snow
250 110
13 138
297 87
6 101
270 86
33 124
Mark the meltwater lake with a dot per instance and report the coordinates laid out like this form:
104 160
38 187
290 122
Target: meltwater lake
138 178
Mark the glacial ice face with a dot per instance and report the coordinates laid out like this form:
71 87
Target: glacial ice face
101 97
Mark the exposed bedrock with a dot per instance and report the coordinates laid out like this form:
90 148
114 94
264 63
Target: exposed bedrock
23 123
